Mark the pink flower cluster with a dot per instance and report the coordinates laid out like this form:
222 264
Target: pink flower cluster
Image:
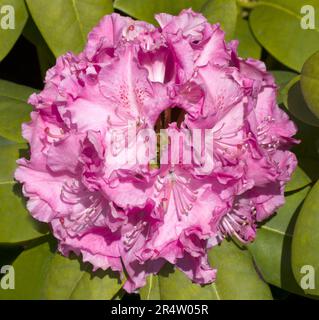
138 218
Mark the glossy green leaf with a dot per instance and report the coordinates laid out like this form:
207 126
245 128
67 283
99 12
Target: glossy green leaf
282 79
16 224
296 104
277 26
43 274
14 109
248 46
68 279
272 248
151 291
64 24
30 272
237 279
9 36
305 242
9 152
310 83
145 9
172 284
223 12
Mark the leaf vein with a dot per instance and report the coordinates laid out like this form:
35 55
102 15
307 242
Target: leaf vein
276 231
77 16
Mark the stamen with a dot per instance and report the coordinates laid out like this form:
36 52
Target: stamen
234 223
52 135
178 187
131 237
72 193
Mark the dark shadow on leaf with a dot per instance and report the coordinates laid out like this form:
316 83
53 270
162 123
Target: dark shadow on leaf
289 193
287 278
298 106
42 239
24 153
310 167
87 267
169 269
108 273
308 148
9 253
166 270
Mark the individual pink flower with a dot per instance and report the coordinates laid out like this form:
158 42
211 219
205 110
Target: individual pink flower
134 216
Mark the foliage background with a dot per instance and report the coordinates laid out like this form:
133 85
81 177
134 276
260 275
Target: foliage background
269 268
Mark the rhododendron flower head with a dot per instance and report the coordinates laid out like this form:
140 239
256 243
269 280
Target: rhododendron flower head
135 216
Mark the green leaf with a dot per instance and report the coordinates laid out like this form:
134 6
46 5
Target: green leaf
40 273
16 224
8 37
145 9
296 104
277 26
151 291
282 79
64 24
248 46
14 109
68 279
305 243
310 83
272 247
30 272
237 279
9 152
223 12
173 284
